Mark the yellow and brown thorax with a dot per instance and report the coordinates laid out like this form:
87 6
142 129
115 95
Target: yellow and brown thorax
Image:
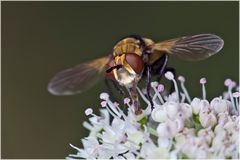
131 45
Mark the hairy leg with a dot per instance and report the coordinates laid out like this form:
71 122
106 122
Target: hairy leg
159 67
148 85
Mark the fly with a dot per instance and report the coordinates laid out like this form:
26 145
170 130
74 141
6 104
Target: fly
133 58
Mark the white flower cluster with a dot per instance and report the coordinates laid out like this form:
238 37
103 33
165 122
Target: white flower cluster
176 127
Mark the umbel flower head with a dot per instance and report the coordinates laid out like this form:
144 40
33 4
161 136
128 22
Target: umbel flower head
177 126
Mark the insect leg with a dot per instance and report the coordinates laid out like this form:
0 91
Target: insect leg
161 65
134 96
163 69
148 87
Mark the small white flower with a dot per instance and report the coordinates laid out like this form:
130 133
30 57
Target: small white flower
176 128
186 110
196 105
194 147
135 136
159 114
219 105
169 129
205 106
163 130
207 134
171 109
164 142
223 118
207 119
172 97
147 149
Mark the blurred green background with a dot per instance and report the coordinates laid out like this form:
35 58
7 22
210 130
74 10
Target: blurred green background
41 38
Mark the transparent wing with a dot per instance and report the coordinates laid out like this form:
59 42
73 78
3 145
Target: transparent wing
196 47
79 78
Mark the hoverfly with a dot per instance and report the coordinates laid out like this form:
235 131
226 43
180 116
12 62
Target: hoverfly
132 58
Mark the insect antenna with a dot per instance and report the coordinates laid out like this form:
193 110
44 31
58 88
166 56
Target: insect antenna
114 67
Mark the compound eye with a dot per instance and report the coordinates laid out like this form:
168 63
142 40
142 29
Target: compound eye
135 61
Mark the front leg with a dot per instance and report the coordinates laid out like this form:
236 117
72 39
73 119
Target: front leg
148 86
160 65
135 100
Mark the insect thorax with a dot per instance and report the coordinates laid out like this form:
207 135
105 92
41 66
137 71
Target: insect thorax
127 45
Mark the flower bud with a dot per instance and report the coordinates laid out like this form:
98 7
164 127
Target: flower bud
163 142
207 119
218 128
179 124
162 130
180 139
169 129
230 126
135 136
171 109
159 115
186 109
220 135
223 118
207 134
219 105
196 105
205 106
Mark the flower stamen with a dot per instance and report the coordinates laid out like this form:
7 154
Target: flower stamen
203 81
230 84
170 76
160 87
182 80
